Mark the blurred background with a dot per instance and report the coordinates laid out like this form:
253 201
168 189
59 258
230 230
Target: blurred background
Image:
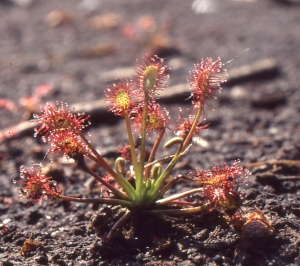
72 45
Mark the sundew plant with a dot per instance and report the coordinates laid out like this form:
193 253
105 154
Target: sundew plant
138 181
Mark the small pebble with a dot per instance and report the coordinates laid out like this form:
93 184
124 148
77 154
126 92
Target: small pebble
58 17
107 21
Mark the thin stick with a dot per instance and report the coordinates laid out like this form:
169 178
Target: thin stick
274 162
109 201
178 196
180 211
118 224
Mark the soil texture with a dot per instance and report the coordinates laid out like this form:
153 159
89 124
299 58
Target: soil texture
79 47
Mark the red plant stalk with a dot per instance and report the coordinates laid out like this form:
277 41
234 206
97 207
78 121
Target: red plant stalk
143 186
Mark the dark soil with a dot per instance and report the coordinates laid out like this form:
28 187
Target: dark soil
256 119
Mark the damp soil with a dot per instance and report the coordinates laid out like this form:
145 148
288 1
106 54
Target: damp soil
254 119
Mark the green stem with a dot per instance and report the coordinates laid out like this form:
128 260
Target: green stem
178 196
191 132
100 159
153 152
159 182
168 186
156 171
140 175
123 181
162 160
120 179
117 192
131 144
180 211
109 201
